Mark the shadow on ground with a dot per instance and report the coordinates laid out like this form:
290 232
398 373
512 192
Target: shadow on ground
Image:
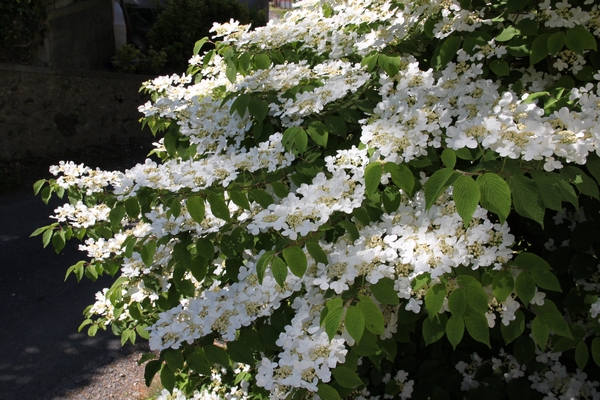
41 353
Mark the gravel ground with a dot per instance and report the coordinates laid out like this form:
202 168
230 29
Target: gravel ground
121 379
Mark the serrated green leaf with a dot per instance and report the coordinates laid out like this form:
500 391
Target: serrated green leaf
336 125
553 318
240 352
477 327
581 355
239 199
530 261
316 252
579 39
346 377
198 45
455 329
446 52
373 177
261 265
263 198
466 196
449 158
384 292
457 302
434 299
507 33
216 355
132 207
262 61
167 378
596 350
503 285
327 392
539 49
258 108
296 260
434 329
527 198
390 64
318 132
499 67
401 176
354 321
174 358
525 287
150 370
436 184
556 43
196 208
37 186
546 280
582 181
374 321
514 329
198 362
540 332
279 269
332 321
477 299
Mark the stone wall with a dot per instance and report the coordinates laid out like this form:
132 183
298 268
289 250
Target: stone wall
46 111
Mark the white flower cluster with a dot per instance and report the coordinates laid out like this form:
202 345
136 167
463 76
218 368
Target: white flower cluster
84 178
80 215
556 382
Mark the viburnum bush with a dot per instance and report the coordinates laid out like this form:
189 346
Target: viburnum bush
368 199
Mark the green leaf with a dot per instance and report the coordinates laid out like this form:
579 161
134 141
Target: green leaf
553 318
150 370
507 33
279 269
37 186
434 299
374 321
477 299
147 252
354 321
527 198
262 61
295 137
296 260
263 198
198 45
503 285
384 292
318 132
373 173
258 108
167 378
218 207
546 280
346 377
332 321
556 43
583 182
196 208
240 352
434 329
596 350
466 196
239 199
514 329
327 392
478 328
579 38
261 265
336 125
455 329
539 49
240 104
540 332
174 359
436 184
581 355
457 302
390 64
550 186
116 216
132 207
499 67
448 158
198 362
231 72
401 176
525 287
216 355
446 53
316 252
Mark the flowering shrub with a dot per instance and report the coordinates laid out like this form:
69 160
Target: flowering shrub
368 199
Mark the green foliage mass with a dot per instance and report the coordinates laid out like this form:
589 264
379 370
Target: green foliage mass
21 28
182 22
